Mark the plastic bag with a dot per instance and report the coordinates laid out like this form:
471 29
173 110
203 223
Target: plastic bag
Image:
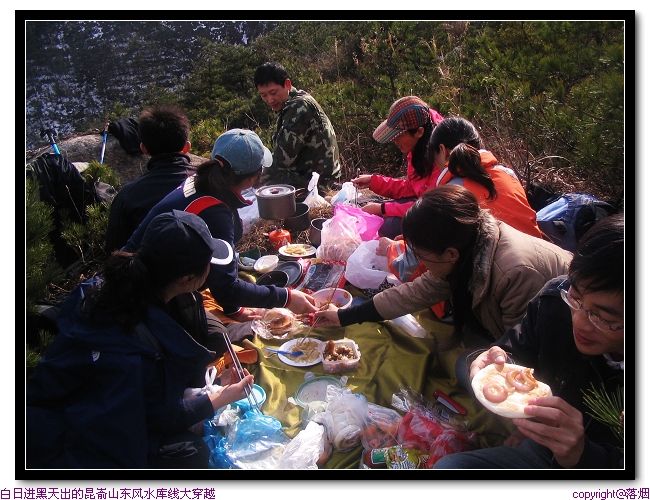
366 269
313 199
339 238
250 213
406 399
349 412
420 429
381 427
256 441
366 224
209 387
345 196
304 450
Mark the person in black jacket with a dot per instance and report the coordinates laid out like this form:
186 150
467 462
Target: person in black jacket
164 133
110 392
573 337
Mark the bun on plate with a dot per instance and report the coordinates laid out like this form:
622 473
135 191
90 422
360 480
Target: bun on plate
506 390
278 320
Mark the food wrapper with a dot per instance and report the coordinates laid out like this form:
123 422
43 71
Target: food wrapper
395 457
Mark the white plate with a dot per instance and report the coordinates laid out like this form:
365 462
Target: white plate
291 360
308 251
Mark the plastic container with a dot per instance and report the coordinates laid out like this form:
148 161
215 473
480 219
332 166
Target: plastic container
344 364
260 395
341 298
267 263
410 325
315 389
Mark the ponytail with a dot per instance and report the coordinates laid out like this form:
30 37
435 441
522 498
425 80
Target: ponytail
215 175
465 161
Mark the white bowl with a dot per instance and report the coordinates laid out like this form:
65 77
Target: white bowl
341 298
266 263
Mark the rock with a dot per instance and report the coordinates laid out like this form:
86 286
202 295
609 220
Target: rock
85 148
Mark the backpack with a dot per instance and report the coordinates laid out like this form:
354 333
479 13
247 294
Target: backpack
567 218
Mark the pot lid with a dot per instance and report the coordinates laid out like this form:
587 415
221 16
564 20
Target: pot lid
275 191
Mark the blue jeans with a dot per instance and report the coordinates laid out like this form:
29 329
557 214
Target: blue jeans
528 455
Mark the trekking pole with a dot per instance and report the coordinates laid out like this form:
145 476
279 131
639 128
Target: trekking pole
101 154
50 133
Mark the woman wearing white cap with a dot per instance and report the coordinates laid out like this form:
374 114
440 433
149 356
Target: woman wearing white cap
409 125
108 393
214 194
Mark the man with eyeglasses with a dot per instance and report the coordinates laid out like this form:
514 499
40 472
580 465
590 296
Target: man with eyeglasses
573 337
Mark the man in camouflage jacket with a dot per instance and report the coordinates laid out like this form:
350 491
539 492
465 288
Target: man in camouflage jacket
304 140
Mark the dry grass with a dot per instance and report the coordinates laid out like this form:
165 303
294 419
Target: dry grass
258 236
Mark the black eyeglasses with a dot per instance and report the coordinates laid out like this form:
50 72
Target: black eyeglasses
576 305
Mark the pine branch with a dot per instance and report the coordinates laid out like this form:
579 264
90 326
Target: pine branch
606 408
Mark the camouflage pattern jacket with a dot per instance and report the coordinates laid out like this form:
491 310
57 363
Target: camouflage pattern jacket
304 142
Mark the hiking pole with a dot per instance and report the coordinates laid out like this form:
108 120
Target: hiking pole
50 133
101 154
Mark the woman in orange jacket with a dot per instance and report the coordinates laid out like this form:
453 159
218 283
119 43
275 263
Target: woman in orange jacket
456 146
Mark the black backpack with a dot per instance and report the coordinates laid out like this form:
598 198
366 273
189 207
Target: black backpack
567 218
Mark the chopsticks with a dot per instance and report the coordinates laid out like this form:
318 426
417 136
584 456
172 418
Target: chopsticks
356 190
316 320
240 371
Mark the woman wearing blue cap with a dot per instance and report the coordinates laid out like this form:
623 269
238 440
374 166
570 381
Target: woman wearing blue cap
214 194
108 393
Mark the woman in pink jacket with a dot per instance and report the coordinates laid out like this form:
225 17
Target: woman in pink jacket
409 125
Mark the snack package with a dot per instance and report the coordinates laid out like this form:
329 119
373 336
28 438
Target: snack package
395 457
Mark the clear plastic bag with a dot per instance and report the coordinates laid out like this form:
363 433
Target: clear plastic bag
339 238
313 199
381 426
250 213
365 269
345 196
304 450
349 412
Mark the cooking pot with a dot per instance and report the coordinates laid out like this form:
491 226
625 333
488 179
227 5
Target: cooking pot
315 230
276 202
300 219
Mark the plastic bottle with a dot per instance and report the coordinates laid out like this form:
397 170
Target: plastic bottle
410 325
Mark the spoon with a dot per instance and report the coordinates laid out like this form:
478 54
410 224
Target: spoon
286 353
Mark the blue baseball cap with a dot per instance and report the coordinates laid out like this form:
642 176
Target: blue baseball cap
183 240
243 149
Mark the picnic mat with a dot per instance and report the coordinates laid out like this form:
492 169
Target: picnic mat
389 357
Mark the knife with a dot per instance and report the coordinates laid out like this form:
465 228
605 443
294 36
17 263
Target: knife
449 402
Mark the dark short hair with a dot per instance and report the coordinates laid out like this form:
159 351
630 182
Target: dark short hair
270 72
163 129
598 260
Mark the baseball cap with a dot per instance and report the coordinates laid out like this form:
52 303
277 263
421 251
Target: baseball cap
183 240
243 149
405 114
